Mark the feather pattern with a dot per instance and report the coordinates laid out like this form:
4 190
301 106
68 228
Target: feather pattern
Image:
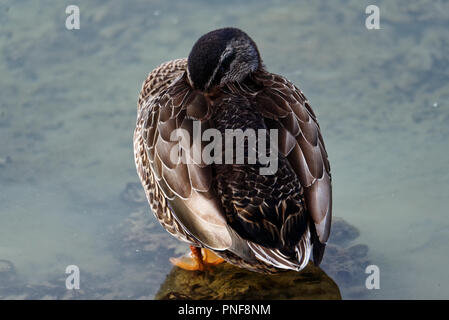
265 223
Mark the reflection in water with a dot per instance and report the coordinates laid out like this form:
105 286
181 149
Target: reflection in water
226 281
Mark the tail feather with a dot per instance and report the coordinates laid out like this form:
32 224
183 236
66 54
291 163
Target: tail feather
318 252
279 260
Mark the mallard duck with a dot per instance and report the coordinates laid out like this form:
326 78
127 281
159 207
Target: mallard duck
230 211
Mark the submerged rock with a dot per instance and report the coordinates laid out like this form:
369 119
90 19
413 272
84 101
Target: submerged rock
7 273
140 237
342 232
133 194
226 281
345 262
4 161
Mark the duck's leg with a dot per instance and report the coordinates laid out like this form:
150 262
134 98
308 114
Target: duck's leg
196 259
210 258
190 261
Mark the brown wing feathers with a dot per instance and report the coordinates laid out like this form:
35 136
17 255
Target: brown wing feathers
187 186
302 143
198 202
264 209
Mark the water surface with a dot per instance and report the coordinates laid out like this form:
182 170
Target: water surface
68 107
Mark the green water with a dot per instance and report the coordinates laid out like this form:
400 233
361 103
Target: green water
68 108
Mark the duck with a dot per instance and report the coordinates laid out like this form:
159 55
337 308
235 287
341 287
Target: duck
232 211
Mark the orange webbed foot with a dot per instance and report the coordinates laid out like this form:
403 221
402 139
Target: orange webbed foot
197 259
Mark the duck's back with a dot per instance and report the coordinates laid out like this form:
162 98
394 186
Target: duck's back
264 222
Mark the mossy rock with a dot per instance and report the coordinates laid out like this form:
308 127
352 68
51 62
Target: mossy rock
226 281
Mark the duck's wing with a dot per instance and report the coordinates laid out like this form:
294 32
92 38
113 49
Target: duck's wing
286 108
160 79
169 119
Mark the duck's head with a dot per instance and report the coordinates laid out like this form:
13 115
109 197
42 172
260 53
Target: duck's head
222 56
